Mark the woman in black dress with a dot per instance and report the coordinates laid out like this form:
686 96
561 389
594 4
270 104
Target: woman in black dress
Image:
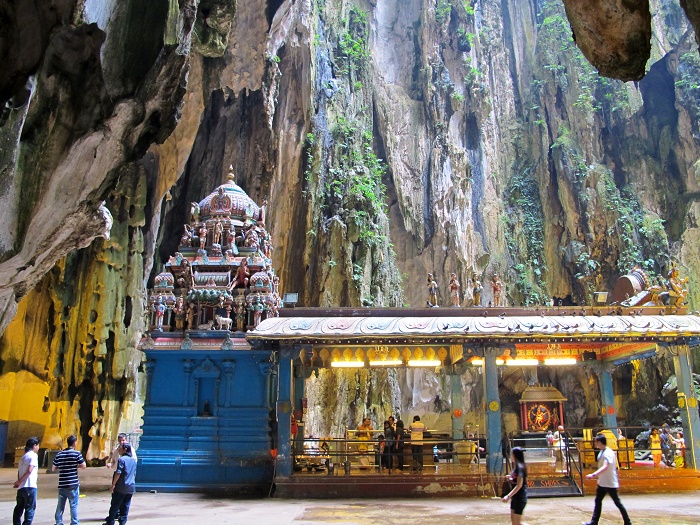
518 494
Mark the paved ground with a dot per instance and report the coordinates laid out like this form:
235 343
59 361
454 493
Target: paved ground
194 509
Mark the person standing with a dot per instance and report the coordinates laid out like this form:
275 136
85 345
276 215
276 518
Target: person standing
113 459
67 462
389 438
123 486
518 494
608 482
27 477
416 429
655 446
668 447
398 444
559 443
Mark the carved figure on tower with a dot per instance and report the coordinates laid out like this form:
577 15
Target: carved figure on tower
242 275
194 213
202 236
179 311
186 239
218 231
159 308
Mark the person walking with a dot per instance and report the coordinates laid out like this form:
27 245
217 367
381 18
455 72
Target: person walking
416 429
67 462
518 494
608 482
123 486
26 484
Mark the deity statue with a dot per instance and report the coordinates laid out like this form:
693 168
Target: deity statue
194 213
240 314
202 236
454 289
218 232
258 308
186 239
432 290
251 238
476 292
190 315
497 287
231 238
242 275
179 310
676 292
159 308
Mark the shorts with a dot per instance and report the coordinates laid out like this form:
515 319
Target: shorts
517 504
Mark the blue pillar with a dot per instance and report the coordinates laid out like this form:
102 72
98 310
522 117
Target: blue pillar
284 412
494 459
687 402
607 396
456 401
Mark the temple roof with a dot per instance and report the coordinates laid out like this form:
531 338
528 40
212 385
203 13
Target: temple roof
514 328
229 199
541 393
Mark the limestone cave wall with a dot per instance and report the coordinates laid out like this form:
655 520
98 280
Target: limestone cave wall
393 138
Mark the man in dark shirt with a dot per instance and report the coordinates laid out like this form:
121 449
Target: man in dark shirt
67 462
123 486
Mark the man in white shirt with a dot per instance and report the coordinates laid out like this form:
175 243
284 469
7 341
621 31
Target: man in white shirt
27 476
113 459
416 429
608 482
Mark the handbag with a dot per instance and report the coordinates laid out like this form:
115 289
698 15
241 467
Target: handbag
506 487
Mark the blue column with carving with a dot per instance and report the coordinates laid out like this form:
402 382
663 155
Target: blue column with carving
494 459
687 402
456 398
607 397
284 412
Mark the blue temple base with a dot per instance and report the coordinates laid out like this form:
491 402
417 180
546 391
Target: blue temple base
206 418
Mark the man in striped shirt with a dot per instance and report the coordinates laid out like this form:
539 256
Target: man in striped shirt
67 462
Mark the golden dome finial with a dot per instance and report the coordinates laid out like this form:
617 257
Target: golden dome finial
231 177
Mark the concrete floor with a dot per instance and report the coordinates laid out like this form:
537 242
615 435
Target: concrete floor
196 509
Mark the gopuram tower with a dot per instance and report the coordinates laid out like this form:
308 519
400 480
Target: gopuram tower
208 414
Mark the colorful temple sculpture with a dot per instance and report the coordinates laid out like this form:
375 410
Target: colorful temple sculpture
209 394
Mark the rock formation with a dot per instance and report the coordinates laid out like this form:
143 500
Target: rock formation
392 138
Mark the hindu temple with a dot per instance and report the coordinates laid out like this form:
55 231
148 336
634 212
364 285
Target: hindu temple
207 415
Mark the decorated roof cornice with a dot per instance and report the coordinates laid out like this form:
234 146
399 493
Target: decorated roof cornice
583 328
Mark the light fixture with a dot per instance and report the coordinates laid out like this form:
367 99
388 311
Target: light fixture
347 364
388 362
478 361
554 361
424 362
522 362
